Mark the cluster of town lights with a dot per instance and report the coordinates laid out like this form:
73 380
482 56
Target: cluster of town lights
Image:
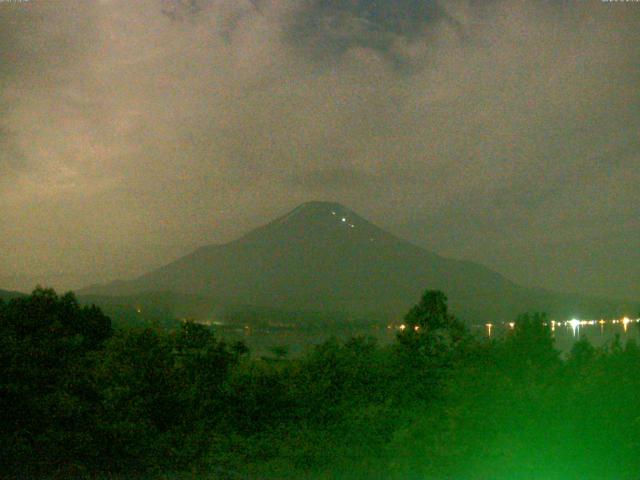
574 324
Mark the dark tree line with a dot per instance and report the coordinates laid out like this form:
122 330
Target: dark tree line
79 399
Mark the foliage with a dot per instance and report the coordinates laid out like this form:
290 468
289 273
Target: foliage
78 399
430 330
46 400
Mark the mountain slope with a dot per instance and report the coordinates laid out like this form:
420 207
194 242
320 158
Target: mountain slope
8 295
324 257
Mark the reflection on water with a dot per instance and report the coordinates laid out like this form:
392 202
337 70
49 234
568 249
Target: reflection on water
598 332
489 327
565 333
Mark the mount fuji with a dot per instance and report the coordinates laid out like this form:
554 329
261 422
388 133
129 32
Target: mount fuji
322 256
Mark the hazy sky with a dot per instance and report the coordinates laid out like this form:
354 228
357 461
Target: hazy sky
505 132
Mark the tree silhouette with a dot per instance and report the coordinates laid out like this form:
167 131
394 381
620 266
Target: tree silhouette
529 348
45 393
429 327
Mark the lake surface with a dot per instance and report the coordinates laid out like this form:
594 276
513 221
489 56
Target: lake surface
298 340
565 333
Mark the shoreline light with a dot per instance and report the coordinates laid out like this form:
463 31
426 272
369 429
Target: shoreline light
575 325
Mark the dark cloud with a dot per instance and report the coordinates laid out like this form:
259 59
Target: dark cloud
329 28
503 132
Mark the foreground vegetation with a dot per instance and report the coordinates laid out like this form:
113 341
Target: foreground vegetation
79 399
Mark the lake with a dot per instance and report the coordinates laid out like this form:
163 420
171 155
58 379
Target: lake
298 340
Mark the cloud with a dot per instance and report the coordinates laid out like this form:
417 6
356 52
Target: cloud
496 131
334 178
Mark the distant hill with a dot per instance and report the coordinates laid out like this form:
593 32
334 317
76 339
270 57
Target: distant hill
150 308
8 295
324 257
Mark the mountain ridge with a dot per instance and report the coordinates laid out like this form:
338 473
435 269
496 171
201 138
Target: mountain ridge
9 294
324 256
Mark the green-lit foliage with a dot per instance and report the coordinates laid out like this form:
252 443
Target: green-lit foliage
430 330
78 400
47 404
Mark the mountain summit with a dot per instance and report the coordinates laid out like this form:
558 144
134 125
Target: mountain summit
315 220
322 256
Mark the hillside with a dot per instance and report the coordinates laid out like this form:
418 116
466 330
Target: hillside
8 295
324 257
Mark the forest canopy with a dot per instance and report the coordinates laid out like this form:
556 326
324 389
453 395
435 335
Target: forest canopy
79 398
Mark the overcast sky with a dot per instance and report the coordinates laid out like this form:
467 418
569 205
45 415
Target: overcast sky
504 132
